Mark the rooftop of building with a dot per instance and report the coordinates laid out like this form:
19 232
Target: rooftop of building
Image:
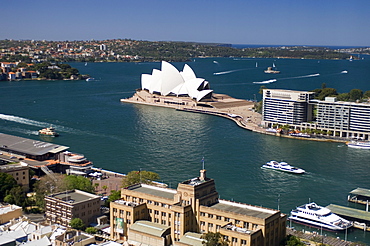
4 209
12 167
192 238
150 228
74 196
243 209
166 193
361 192
28 146
289 91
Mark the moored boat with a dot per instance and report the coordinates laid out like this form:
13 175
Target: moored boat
359 144
283 166
317 216
49 131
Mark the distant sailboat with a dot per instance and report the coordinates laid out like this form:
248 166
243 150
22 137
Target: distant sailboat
256 64
85 63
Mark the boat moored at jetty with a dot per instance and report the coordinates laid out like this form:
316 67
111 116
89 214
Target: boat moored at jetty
283 166
359 144
49 131
320 217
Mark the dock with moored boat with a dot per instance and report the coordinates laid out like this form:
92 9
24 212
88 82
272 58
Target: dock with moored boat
360 217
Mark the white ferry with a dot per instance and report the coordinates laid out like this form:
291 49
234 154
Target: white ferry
49 131
283 166
359 144
320 217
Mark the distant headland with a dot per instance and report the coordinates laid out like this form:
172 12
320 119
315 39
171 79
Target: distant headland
127 50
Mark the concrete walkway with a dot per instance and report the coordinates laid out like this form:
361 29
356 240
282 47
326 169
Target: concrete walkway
315 238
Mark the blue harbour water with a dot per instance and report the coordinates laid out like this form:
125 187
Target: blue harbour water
124 137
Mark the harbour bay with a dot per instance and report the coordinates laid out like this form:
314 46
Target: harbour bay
124 137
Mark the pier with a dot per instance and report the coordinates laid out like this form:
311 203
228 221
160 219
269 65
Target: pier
361 218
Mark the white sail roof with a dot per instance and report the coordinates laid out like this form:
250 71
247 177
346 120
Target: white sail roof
169 80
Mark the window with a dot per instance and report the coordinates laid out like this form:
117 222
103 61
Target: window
164 214
227 219
202 214
218 217
156 203
163 222
210 216
234 240
156 212
244 242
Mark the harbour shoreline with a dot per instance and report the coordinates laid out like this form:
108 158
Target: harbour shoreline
238 110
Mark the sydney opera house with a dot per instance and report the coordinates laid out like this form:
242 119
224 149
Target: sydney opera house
170 82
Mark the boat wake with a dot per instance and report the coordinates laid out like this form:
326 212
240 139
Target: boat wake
23 120
297 77
231 71
39 124
266 81
303 76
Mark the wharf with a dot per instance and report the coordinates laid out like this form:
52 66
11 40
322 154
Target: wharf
361 217
360 195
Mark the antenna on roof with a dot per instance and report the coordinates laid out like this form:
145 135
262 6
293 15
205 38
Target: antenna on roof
203 163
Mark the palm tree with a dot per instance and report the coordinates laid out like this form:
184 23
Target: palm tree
105 188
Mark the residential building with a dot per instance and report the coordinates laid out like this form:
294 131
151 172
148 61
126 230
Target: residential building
194 207
298 109
74 238
62 207
9 212
286 107
20 172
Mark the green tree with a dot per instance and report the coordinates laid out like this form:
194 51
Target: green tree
17 196
7 182
91 230
326 92
366 94
355 94
214 239
114 195
292 241
79 183
343 97
135 177
78 224
104 187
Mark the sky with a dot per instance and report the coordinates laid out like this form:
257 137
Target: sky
265 22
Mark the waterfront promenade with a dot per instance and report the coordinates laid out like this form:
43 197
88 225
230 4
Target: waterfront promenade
239 110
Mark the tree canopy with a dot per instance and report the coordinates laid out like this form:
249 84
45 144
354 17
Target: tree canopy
214 239
7 182
78 224
135 177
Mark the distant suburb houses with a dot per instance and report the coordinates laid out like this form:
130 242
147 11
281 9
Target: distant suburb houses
9 71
